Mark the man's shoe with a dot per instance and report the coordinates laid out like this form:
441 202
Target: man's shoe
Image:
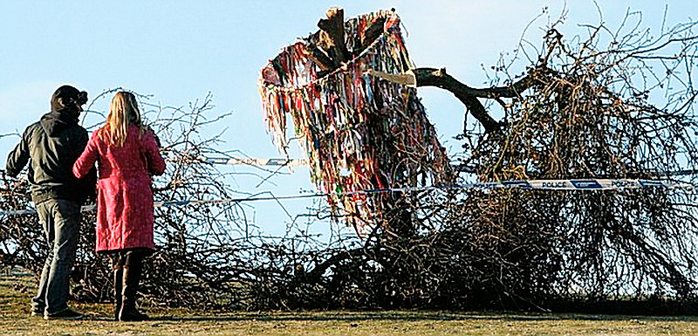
67 314
37 313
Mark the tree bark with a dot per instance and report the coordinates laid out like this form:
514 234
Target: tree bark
468 95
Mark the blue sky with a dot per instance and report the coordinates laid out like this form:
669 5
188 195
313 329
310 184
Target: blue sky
178 51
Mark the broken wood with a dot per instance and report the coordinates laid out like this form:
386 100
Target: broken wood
332 35
324 62
373 32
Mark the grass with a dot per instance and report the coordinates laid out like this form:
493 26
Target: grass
16 291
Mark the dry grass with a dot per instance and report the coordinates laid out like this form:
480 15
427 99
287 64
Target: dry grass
16 291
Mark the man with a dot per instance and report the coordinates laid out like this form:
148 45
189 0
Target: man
51 146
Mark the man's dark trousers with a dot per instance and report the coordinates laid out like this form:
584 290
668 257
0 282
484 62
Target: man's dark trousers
60 219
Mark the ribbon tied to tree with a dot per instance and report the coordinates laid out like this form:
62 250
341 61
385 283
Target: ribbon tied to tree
355 112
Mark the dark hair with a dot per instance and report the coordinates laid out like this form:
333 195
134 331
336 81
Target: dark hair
67 97
81 98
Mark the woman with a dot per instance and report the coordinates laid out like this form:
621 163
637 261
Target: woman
127 154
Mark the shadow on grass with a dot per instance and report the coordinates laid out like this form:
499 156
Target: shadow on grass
352 317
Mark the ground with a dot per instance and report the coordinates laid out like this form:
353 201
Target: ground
16 291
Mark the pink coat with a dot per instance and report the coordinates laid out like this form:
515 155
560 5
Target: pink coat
124 195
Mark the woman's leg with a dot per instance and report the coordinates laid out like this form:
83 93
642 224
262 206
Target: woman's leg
132 271
117 262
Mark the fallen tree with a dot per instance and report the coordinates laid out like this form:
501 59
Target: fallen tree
578 111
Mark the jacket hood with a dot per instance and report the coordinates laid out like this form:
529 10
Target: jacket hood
55 122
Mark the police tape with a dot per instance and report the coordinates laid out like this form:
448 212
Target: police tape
551 185
244 161
256 162
279 162
582 184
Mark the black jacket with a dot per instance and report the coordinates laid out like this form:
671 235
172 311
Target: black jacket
52 145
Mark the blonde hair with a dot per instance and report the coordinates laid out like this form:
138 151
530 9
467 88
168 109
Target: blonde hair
122 113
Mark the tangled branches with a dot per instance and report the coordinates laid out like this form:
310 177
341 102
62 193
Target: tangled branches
622 112
582 111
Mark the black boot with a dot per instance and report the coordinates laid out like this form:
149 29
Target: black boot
133 266
118 272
